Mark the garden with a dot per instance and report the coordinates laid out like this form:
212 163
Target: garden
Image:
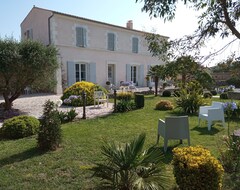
87 151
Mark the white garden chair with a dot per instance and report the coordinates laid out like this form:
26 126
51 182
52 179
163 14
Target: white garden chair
215 112
100 97
174 127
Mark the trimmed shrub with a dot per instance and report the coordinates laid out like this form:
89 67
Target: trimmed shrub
124 106
50 133
166 93
195 168
213 92
125 96
139 100
164 105
207 95
224 96
19 127
73 95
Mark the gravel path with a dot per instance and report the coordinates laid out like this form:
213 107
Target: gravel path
33 105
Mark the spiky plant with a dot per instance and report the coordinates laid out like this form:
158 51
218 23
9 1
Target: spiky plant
128 167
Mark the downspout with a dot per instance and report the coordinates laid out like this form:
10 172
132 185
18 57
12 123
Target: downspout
49 29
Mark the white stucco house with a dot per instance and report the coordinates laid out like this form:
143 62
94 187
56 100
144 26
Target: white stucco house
90 50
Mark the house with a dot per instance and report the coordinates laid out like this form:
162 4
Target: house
90 50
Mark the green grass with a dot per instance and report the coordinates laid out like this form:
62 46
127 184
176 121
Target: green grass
24 167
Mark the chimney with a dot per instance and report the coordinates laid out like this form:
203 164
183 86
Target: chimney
130 24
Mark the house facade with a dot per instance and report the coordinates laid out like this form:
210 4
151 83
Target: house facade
91 50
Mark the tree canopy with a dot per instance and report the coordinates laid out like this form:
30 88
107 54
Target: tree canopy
217 17
23 64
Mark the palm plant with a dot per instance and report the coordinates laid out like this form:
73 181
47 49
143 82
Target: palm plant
127 167
157 72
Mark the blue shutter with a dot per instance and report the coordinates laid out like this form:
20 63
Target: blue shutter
91 72
111 41
141 75
135 45
81 37
128 72
70 73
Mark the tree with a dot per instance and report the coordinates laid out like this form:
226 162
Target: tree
188 69
22 64
157 72
217 16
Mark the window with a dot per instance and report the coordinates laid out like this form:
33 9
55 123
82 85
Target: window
111 41
28 34
81 38
134 74
135 45
80 72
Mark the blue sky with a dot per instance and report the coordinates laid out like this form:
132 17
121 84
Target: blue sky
116 12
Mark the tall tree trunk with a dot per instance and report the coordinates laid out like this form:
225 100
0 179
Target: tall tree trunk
156 78
9 101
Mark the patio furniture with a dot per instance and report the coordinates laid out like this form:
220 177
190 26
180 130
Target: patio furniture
215 112
100 97
174 127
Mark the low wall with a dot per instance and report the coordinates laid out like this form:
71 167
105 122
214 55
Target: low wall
234 95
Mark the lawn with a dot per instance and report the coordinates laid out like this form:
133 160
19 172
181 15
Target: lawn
24 167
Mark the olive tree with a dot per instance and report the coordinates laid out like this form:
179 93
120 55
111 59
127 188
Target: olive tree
23 64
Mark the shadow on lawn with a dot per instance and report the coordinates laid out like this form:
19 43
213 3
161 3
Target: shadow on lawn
204 130
30 153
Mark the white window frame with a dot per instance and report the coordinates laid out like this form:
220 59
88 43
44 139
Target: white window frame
80 71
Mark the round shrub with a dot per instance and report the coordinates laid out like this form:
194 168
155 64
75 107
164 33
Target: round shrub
19 127
207 95
164 105
166 93
73 95
213 92
195 168
224 96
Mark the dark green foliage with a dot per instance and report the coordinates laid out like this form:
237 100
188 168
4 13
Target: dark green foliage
207 95
50 133
176 93
19 127
139 100
127 166
67 116
164 105
166 93
190 97
224 96
124 106
213 92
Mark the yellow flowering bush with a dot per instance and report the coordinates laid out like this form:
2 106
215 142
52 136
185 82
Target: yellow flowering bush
196 168
73 94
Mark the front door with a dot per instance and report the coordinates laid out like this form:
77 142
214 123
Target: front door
111 73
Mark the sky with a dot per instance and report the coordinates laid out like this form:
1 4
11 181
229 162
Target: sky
116 12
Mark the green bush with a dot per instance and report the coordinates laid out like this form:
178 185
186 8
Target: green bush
124 106
190 98
224 96
73 95
139 100
176 93
166 93
67 116
125 96
164 105
19 127
50 133
195 168
207 95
